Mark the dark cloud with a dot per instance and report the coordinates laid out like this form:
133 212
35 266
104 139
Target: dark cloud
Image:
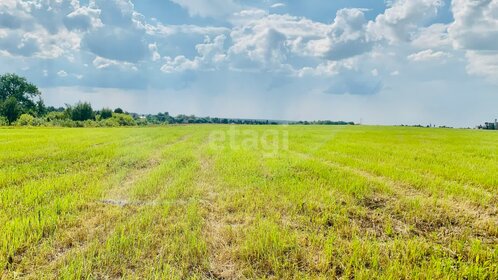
117 43
347 49
121 37
116 12
17 45
355 84
50 14
9 21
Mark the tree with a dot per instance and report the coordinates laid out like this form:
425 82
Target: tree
82 112
10 109
23 92
105 113
41 109
53 109
118 111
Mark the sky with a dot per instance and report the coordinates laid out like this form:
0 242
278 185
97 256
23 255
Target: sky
381 62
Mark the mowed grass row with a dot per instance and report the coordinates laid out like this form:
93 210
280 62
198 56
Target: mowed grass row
270 202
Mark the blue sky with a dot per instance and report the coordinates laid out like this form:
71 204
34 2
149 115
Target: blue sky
385 62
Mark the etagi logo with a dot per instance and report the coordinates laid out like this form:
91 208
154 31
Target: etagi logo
270 141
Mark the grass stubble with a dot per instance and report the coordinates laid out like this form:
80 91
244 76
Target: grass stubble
163 203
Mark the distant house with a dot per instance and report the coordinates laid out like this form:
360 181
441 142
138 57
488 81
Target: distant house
490 125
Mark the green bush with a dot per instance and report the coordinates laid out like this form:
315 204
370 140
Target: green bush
112 122
141 122
64 123
4 121
53 116
90 123
25 120
123 119
39 122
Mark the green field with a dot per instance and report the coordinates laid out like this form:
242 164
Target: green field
308 202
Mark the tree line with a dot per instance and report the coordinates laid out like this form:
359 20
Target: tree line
21 104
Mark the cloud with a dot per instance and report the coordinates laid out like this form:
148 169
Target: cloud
475 30
49 14
476 24
247 16
295 45
154 53
347 37
211 54
36 29
180 64
433 36
8 4
428 55
170 30
117 43
402 19
104 63
325 69
83 18
483 63
10 21
25 45
273 42
266 48
212 50
62 74
117 12
278 5
354 83
208 8
119 34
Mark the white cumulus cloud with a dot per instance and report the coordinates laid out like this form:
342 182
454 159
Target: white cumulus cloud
428 55
483 63
403 18
346 36
211 54
475 30
476 24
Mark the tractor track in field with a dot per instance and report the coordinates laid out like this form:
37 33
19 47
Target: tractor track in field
481 220
475 189
119 195
221 263
468 186
94 223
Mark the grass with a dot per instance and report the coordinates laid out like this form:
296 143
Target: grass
313 202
